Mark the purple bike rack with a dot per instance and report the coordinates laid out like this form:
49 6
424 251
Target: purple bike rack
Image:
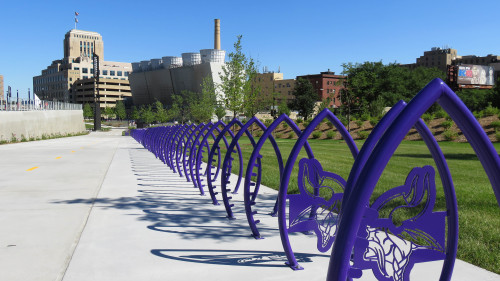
215 151
179 148
357 237
250 195
303 207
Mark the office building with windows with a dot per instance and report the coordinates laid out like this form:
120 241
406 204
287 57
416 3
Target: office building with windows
67 79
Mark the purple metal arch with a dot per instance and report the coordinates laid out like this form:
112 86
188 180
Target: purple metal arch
221 136
226 172
354 206
283 191
248 195
194 153
179 158
199 155
165 141
172 144
187 148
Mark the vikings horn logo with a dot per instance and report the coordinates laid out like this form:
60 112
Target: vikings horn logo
391 249
309 211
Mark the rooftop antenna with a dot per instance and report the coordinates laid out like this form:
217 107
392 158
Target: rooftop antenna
76 19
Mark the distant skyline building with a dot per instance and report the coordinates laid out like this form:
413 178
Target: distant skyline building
1 87
158 79
327 85
64 79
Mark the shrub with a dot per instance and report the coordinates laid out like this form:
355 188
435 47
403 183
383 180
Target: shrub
440 113
363 134
299 120
497 135
343 120
330 134
495 125
365 116
447 124
268 122
450 135
32 138
427 117
284 125
307 122
359 123
490 110
316 134
373 121
258 133
477 114
279 135
23 138
290 135
13 138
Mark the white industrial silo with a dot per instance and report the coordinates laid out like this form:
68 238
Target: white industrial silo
136 67
191 59
145 64
172 62
212 55
156 64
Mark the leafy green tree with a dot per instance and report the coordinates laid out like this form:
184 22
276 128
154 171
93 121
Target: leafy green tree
305 98
147 114
220 111
283 108
136 114
202 106
109 112
233 78
182 105
251 90
120 111
88 112
161 115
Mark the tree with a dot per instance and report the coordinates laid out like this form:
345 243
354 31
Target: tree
283 108
203 106
220 111
305 98
182 105
135 115
233 78
109 112
251 90
120 111
161 115
88 112
147 114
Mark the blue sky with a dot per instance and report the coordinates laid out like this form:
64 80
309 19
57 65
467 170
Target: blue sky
297 37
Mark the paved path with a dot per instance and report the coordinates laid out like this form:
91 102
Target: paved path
108 210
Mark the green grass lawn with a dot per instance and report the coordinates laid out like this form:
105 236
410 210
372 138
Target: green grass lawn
479 213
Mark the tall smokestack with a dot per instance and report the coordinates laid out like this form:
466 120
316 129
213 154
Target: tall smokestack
217 35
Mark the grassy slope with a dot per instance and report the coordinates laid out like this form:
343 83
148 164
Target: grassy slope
479 214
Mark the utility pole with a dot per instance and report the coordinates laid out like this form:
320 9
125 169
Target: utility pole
97 103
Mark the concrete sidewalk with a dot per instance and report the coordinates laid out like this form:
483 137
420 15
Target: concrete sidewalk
143 223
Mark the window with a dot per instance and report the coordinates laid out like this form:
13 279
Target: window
104 72
126 73
85 70
112 72
91 71
119 73
85 77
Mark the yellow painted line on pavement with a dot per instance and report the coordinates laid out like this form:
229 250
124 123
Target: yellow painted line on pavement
58 157
31 169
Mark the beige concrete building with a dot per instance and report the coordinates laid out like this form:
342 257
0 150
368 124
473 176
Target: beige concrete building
60 80
1 87
274 86
437 57
110 91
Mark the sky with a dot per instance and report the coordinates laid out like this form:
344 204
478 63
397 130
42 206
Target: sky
293 37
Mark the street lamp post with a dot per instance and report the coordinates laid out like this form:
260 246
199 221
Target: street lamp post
97 103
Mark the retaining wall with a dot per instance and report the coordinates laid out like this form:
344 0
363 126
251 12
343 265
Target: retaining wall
37 123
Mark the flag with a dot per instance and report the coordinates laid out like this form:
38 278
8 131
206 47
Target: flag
76 20
76 14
